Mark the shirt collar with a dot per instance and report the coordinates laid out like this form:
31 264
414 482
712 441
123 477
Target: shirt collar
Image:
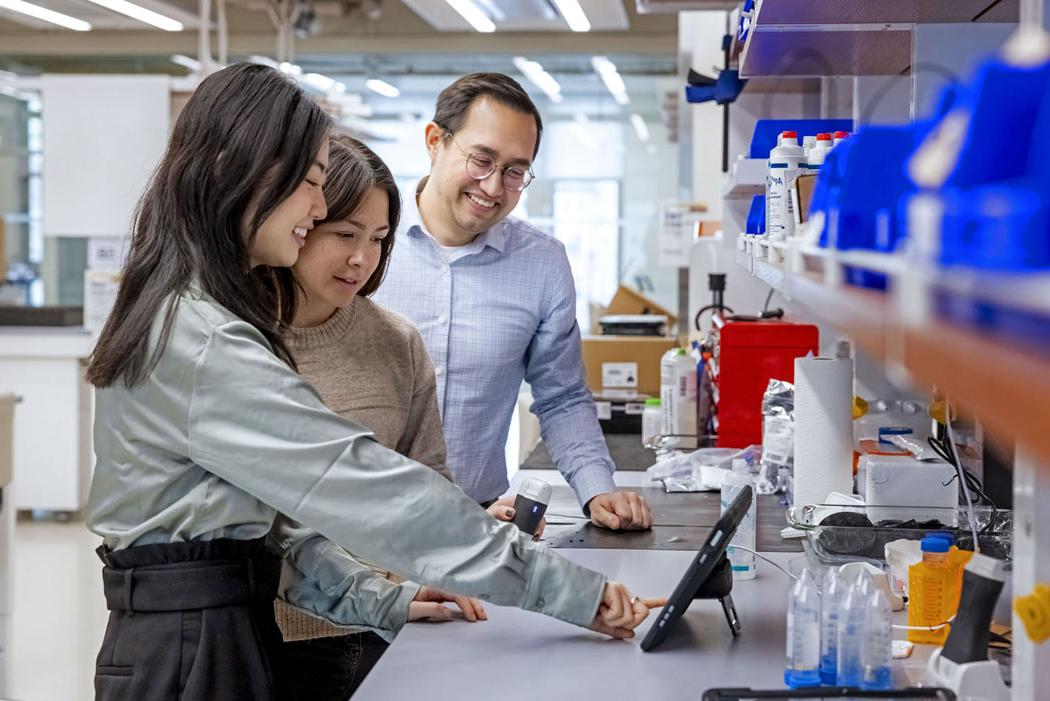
496 237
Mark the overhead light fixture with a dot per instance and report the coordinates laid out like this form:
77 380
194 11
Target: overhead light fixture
42 13
289 69
574 15
539 77
382 87
140 13
320 82
640 127
612 79
265 61
474 16
191 64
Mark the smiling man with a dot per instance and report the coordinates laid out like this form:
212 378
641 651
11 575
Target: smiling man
495 302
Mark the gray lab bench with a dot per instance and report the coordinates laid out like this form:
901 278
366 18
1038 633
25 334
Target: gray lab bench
520 655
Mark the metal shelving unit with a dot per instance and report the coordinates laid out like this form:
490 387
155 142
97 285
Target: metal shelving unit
851 37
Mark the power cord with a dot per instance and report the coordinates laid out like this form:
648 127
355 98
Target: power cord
763 557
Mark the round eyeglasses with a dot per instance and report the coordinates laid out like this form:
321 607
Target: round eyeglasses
480 166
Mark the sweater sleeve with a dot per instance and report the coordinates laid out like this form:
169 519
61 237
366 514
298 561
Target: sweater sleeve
423 439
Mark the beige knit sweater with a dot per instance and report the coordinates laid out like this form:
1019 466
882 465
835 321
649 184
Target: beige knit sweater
369 365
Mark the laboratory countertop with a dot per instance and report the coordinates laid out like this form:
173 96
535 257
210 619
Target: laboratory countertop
45 342
681 521
520 655
625 449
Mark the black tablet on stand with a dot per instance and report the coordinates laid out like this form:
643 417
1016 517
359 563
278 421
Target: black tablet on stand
708 577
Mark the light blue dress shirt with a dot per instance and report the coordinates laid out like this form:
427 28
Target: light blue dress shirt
492 313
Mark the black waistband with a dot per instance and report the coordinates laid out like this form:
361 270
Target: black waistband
188 576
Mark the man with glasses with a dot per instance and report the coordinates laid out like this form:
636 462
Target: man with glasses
495 302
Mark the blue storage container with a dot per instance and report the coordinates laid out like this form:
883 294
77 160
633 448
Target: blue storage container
756 216
764 138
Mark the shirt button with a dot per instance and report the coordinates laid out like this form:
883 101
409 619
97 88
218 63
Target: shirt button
444 268
540 602
442 319
439 371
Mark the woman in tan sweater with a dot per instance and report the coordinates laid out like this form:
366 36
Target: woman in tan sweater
370 365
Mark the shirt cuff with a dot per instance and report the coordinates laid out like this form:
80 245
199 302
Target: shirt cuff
564 590
590 481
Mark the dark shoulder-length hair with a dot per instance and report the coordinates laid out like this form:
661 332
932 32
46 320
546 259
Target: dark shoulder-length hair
242 145
353 170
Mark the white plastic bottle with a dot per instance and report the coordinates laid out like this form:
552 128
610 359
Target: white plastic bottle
652 420
678 399
831 600
839 137
803 633
742 562
808 142
815 157
878 654
784 166
852 625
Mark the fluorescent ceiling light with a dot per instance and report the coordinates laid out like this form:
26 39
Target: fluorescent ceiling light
140 13
470 12
574 15
289 68
27 8
539 77
382 87
319 82
640 127
264 61
186 62
607 70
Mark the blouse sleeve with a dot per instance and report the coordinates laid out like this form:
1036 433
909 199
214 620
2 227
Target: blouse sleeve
256 424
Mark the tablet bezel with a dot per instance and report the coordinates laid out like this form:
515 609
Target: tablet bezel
700 569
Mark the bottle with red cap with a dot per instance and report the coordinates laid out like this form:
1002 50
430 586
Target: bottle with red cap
816 155
785 162
839 137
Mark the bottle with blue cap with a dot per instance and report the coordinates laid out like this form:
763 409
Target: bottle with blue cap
929 591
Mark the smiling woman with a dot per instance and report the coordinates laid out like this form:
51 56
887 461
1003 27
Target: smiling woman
369 365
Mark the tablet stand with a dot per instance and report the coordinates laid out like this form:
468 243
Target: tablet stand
718 585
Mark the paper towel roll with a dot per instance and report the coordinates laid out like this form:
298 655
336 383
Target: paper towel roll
823 428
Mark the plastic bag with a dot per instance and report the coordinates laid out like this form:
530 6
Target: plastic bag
778 437
701 470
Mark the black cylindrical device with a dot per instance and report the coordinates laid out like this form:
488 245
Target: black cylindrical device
530 504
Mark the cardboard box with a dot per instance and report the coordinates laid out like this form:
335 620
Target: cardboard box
628 301
804 185
625 366
7 450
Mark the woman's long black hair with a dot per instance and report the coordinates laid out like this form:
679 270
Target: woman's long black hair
242 145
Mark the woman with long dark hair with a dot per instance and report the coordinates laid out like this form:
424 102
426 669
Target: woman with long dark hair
204 433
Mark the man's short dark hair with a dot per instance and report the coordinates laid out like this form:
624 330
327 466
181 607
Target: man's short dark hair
455 101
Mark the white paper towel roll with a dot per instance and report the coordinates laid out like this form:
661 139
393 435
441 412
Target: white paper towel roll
823 428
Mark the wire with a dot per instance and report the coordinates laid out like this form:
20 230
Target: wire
769 297
936 627
763 557
551 513
959 471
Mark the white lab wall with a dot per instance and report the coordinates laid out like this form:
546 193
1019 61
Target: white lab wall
700 43
103 136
